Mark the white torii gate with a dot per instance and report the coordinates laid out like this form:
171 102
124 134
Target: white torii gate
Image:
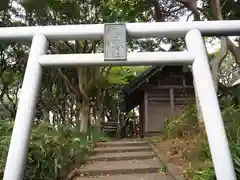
196 55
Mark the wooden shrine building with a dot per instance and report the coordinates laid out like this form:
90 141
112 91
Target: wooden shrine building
160 92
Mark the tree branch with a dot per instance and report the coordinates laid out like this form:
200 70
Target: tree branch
235 50
192 6
79 94
5 106
217 14
68 45
157 9
189 16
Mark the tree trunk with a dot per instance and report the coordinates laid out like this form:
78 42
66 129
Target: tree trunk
235 50
91 116
94 114
217 15
97 108
54 118
78 106
83 116
46 115
84 105
98 117
215 69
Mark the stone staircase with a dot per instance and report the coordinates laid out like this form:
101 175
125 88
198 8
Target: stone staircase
122 160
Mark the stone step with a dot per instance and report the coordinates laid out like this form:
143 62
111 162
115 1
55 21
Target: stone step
109 130
120 167
122 156
146 176
109 122
122 149
121 143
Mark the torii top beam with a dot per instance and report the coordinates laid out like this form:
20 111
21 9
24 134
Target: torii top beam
135 30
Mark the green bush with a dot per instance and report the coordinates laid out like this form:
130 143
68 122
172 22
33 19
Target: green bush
187 122
52 150
202 174
201 151
180 124
235 150
208 173
231 116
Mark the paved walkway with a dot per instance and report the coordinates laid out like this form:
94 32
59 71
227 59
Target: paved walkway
123 160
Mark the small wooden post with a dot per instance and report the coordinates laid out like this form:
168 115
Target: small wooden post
141 114
146 111
172 99
118 122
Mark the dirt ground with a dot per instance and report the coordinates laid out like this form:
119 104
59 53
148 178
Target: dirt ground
175 151
181 152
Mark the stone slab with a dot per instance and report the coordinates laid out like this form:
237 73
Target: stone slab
122 149
146 176
121 167
122 143
122 156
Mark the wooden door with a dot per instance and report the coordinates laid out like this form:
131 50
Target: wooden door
158 112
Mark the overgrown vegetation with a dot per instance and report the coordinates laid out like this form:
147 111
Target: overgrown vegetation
185 128
181 124
53 150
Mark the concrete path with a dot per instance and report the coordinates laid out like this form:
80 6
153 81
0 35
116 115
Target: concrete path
123 160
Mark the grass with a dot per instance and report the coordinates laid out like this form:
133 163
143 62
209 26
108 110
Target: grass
163 169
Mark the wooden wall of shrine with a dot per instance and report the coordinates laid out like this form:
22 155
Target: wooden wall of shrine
165 94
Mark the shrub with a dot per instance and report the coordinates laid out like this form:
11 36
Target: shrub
231 116
187 122
180 124
52 150
202 174
235 150
208 173
200 151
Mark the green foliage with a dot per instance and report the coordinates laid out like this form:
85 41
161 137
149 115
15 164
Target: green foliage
52 150
180 124
231 116
235 150
201 152
202 174
187 122
208 173
163 169
236 94
116 79
123 75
